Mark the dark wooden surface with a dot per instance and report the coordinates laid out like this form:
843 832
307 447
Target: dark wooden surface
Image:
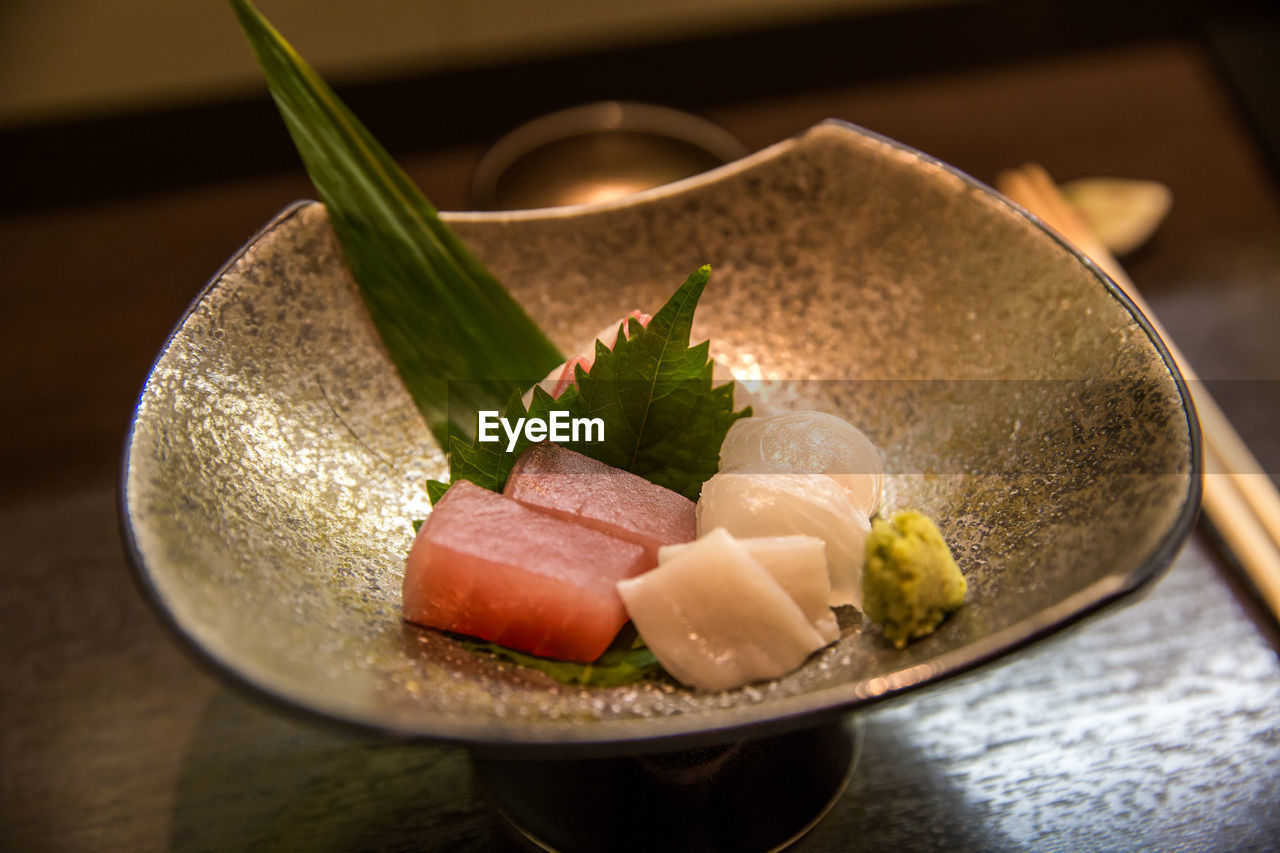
1156 726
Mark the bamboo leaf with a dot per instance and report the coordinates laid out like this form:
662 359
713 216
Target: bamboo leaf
440 313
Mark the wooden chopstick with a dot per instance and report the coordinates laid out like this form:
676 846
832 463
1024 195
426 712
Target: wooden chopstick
1239 497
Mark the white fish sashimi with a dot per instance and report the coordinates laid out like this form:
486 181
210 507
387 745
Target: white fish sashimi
716 619
799 565
808 442
785 504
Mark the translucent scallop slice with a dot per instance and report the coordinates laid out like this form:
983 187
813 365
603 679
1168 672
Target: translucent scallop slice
716 619
783 504
799 565
810 443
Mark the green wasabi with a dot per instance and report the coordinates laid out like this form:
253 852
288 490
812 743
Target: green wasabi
911 581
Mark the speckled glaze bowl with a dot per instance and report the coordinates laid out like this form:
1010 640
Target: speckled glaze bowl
275 464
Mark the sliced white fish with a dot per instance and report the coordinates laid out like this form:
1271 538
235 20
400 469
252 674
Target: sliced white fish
716 619
783 504
799 565
810 443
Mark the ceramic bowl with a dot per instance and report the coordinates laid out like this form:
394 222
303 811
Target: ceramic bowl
275 464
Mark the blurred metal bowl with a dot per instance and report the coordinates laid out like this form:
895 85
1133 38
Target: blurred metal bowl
597 152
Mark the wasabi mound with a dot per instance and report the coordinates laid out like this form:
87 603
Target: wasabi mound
910 582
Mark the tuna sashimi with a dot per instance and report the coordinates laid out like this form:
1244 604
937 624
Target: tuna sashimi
486 566
569 485
716 619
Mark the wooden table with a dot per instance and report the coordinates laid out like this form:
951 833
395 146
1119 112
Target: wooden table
1156 726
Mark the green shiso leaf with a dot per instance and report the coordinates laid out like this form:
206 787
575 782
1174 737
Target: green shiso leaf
440 313
663 419
435 491
626 660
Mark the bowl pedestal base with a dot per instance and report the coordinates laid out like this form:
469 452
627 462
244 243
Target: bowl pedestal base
760 794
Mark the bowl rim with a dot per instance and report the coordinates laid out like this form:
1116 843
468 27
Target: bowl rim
788 713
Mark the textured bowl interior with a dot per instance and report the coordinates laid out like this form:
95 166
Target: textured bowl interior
275 464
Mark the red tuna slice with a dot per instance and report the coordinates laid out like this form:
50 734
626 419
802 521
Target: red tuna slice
485 566
568 485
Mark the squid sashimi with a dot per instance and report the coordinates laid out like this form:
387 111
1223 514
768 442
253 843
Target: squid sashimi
486 566
569 485
799 565
809 443
784 504
680 609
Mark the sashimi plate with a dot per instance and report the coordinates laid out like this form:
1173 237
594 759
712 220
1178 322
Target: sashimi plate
275 464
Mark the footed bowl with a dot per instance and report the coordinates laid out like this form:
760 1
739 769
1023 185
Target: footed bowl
274 463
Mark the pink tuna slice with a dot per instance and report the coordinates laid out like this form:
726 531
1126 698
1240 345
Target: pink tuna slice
485 566
564 375
569 375
569 485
